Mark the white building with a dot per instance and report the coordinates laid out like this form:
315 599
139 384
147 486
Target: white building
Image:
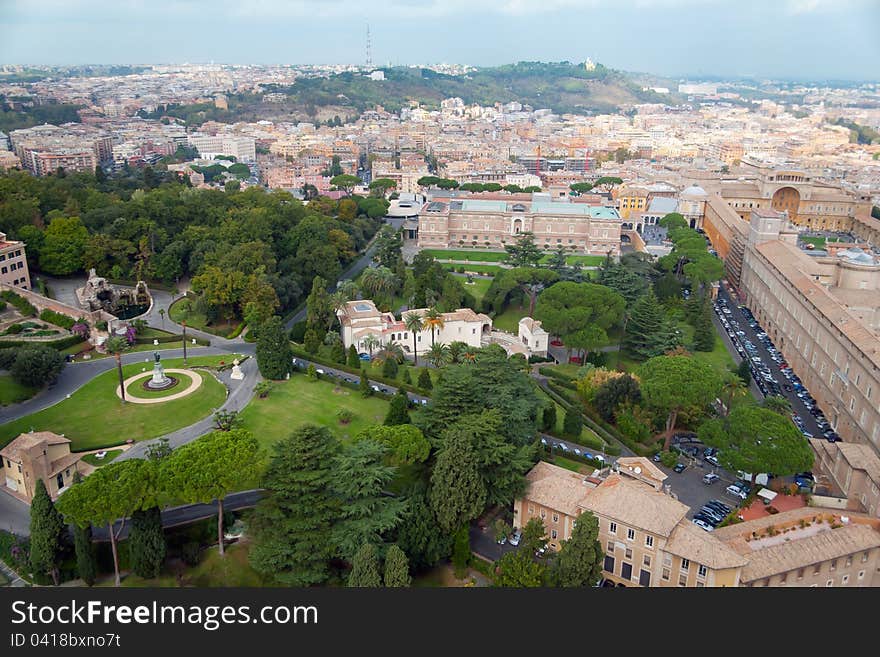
533 336
359 319
242 149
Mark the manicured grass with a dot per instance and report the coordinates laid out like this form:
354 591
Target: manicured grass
585 260
95 417
509 319
478 288
182 310
488 270
136 388
568 464
467 256
91 459
213 571
12 392
301 400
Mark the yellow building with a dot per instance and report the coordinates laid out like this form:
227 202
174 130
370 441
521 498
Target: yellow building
38 455
630 199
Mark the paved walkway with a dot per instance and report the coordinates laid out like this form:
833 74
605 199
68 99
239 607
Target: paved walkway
13 577
193 386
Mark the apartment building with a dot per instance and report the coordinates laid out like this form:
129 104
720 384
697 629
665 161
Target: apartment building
649 541
38 455
45 148
241 148
823 313
490 224
13 263
360 319
850 470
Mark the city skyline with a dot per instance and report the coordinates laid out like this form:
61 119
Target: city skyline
787 40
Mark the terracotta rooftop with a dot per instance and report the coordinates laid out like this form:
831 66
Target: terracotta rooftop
26 441
691 542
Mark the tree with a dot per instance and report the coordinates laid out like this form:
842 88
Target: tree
457 493
732 388
311 341
461 551
704 330
379 283
319 313
438 354
419 535
648 332
743 371
581 187
36 366
111 493
45 533
381 186
274 357
755 439
211 468
354 360
413 323
675 384
146 543
548 418
580 558
424 381
63 246
406 443
580 313
365 568
614 393
371 342
433 319
778 404
291 526
518 568
398 410
524 253
390 368
396 568
531 281
573 423
364 385
345 182
86 566
359 483
672 221
226 420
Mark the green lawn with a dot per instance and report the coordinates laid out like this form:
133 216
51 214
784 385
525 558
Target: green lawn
585 260
95 417
213 571
12 392
509 319
478 288
91 459
467 256
300 400
568 464
488 270
182 310
587 437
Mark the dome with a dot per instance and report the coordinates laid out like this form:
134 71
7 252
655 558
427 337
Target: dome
694 191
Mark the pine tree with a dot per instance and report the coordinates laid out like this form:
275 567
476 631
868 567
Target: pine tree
46 531
573 423
579 562
744 372
354 360
390 368
424 380
364 385
704 331
648 332
398 410
461 551
85 554
146 543
291 525
396 568
365 568
312 341
274 357
548 418
458 493
405 377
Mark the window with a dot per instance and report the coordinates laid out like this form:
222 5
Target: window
829 583
800 573
555 517
531 509
682 580
612 527
543 514
646 560
665 574
611 546
630 534
553 534
629 553
834 564
701 571
649 541
685 564
861 575
848 562
608 566
864 556
817 568
844 579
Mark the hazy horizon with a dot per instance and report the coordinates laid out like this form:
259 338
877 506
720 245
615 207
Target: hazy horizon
796 40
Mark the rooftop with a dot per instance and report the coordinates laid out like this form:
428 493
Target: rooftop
27 441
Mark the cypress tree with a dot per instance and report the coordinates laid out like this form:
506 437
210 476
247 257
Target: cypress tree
398 410
424 380
704 331
337 352
146 543
573 423
47 527
312 341
274 357
365 568
390 368
548 418
396 568
354 360
405 377
461 551
364 385
648 332
579 562
85 554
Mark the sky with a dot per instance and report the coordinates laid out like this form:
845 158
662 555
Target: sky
782 39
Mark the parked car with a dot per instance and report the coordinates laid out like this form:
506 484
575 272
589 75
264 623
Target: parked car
710 478
679 467
702 524
713 460
515 538
735 490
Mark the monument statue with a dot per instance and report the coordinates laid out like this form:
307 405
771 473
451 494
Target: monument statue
157 356
159 381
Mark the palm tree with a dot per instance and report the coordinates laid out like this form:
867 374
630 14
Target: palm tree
732 388
469 355
777 404
434 320
116 345
413 323
378 282
438 354
371 342
390 350
456 349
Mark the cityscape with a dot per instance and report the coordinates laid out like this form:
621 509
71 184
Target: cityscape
518 324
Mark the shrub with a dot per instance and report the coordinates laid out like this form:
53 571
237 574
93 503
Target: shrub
36 366
21 304
191 553
14 329
344 415
389 368
298 332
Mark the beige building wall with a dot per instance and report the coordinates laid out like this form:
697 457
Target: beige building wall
13 263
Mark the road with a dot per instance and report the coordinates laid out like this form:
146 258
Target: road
182 515
797 405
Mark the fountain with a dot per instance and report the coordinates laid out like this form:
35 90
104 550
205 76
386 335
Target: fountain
159 380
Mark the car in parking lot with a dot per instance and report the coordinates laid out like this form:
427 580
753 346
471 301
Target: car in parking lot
719 506
737 490
710 478
713 459
702 524
515 538
679 467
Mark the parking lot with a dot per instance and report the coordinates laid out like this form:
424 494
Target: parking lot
743 332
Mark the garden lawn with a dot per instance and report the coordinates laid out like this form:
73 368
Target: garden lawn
488 270
91 459
585 260
467 256
94 417
212 571
588 437
509 319
301 400
568 464
12 392
136 388
181 310
478 288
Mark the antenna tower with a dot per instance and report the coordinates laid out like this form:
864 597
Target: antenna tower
369 49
